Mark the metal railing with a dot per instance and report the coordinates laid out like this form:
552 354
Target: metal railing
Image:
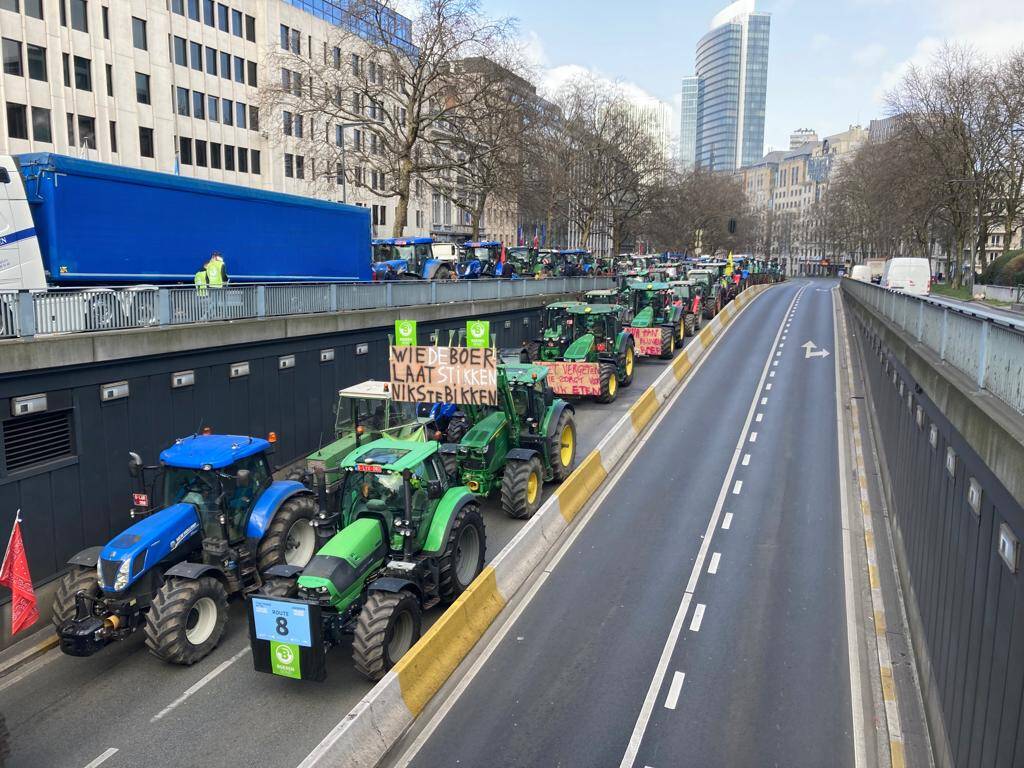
988 349
25 314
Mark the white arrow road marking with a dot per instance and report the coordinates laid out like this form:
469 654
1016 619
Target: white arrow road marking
809 350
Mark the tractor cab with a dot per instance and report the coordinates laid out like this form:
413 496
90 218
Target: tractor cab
524 260
651 296
408 258
684 291
574 262
530 395
602 296
556 330
483 259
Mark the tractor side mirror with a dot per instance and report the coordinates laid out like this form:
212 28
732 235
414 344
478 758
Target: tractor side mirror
134 464
243 478
434 490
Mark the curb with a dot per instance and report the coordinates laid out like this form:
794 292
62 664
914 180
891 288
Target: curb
382 717
23 657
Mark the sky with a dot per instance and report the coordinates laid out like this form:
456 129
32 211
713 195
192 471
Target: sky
831 61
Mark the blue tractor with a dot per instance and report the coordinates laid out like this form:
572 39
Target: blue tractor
224 522
574 262
408 258
484 259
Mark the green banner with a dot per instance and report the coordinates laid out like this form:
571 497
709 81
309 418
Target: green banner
284 659
478 334
405 333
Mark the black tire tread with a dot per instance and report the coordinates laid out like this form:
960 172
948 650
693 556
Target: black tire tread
77 578
448 588
514 488
369 643
165 622
559 472
271 549
607 373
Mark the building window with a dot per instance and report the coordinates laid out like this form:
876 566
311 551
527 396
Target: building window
36 56
298 126
254 118
110 80
236 23
105 16
71 129
17 121
79 15
339 174
179 51
145 142
213 108
225 65
113 136
185 151
83 74
227 112
211 61
193 10
300 171
357 65
240 116
209 15
239 70
33 8
196 51
357 139
198 105
229 157
178 6
66 62
41 130
138 33
200 153
338 135
289 165
296 43
87 132
250 28
215 155
142 88
254 161
336 57
252 73
222 17
182 101
243 160
12 57
286 119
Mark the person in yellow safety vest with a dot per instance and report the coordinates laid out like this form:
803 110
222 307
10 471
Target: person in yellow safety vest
200 281
216 277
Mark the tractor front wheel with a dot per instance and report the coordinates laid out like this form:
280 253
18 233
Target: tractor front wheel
290 539
187 619
668 344
521 488
388 626
562 446
451 467
279 587
458 426
609 384
627 363
463 556
688 326
77 579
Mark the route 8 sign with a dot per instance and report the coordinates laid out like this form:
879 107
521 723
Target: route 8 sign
286 638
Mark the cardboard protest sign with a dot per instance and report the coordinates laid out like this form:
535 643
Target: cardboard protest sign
647 340
444 375
575 379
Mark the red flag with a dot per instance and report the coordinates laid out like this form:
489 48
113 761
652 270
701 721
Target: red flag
536 241
15 576
502 253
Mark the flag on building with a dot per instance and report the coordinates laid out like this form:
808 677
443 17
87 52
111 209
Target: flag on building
14 575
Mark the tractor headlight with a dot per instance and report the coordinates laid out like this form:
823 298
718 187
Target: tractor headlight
121 580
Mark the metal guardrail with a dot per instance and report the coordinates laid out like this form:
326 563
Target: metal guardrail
25 314
988 349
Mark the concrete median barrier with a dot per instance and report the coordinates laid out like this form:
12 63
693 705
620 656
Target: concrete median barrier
366 734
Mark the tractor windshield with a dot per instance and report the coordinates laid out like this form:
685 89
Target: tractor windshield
414 253
192 486
482 255
553 317
377 417
595 324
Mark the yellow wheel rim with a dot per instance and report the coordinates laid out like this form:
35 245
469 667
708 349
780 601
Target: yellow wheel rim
532 485
629 361
672 345
613 385
568 442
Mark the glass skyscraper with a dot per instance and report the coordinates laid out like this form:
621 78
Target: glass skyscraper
688 124
731 88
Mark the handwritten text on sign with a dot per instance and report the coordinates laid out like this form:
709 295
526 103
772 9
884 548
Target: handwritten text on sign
576 379
648 341
444 375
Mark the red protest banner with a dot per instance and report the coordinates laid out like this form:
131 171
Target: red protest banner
575 379
648 341
14 575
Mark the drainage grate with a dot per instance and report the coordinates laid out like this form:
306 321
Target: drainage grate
37 439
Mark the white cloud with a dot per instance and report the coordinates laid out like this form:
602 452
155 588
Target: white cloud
821 41
870 55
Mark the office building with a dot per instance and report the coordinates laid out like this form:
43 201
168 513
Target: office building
688 124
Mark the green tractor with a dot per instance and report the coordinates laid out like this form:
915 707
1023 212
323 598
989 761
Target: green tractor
653 308
688 298
556 332
406 539
528 440
601 356
706 282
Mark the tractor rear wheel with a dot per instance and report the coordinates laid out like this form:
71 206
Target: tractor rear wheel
562 446
77 579
532 350
451 467
627 364
298 474
279 587
187 619
458 426
290 539
522 488
388 626
463 555
688 325
609 384
668 344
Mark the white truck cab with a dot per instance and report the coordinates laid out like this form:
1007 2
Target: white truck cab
21 263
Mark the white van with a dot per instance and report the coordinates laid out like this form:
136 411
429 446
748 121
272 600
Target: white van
861 272
913 276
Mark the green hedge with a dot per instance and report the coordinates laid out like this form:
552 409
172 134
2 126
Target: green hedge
1006 270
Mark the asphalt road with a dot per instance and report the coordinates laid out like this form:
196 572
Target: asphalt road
66 712
697 619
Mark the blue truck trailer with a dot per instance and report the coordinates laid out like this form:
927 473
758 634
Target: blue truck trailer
65 221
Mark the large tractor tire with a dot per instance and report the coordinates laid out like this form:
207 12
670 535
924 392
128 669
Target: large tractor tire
388 626
458 426
290 539
522 488
463 555
187 619
298 474
451 467
77 579
668 344
609 384
627 364
443 273
688 325
279 587
562 446
532 349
